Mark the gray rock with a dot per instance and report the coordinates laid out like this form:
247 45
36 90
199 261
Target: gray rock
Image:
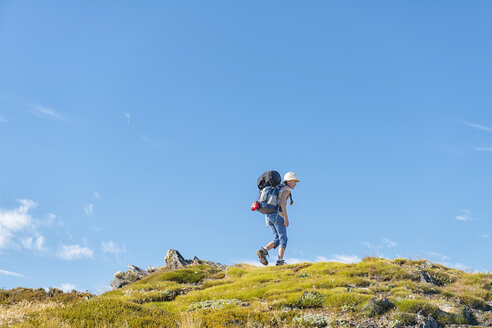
470 317
174 260
137 270
428 322
448 307
124 278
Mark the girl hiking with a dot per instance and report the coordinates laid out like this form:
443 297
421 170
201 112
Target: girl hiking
278 221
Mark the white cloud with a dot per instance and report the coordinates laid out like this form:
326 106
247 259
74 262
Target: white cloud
389 243
127 115
33 244
485 236
5 237
460 266
111 247
339 258
15 220
97 194
10 273
150 142
89 209
66 287
48 219
445 260
439 256
39 243
43 111
477 126
463 267
2 120
74 252
466 215
483 148
18 218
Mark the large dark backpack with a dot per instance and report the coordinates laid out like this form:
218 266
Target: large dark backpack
268 200
269 179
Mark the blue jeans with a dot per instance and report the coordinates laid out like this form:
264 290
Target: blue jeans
276 223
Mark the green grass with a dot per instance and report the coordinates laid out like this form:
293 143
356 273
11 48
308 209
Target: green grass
304 294
423 307
106 312
17 295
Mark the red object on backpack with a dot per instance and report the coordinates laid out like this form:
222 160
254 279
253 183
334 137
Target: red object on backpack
255 206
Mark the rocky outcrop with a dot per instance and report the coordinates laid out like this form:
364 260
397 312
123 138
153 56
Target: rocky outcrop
124 278
174 261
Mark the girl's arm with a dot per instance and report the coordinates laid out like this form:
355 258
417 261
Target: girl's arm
283 203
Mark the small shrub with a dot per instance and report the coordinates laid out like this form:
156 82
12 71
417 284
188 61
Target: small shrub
460 318
346 301
417 306
213 304
303 274
313 320
402 319
400 261
440 277
474 302
153 296
377 306
185 276
309 300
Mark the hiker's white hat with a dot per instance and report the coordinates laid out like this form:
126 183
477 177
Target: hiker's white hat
290 176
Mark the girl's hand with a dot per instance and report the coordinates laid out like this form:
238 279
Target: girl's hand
286 222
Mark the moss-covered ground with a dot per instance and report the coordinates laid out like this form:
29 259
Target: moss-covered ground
387 293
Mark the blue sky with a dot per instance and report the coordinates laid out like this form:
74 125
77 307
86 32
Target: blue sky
127 129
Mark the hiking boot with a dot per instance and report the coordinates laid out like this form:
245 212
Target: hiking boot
262 254
280 262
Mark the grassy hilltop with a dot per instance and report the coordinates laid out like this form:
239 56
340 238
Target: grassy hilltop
373 293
